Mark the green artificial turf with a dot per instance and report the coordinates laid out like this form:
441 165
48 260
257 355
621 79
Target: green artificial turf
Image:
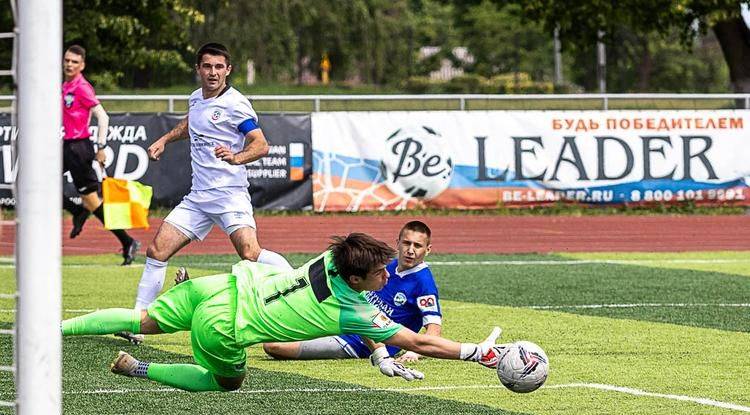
670 330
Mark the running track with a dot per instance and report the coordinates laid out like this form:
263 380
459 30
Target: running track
454 234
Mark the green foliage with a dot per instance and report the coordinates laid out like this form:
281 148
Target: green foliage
653 46
419 85
435 27
652 63
369 41
106 80
6 45
502 42
470 83
519 83
631 25
132 43
465 84
700 70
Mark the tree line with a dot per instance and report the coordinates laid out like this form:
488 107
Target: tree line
652 45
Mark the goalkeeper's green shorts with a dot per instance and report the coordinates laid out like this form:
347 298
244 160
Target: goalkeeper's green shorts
205 306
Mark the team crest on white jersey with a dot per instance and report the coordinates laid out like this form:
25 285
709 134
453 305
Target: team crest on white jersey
399 299
215 116
69 97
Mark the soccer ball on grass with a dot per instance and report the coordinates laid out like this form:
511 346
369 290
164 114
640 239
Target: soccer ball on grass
523 367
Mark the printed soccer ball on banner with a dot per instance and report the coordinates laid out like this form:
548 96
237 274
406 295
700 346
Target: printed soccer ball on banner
416 163
523 367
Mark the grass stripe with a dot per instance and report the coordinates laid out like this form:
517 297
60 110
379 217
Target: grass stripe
600 319
534 307
598 386
590 286
483 306
473 263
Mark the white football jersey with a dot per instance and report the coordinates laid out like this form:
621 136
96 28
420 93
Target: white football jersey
218 121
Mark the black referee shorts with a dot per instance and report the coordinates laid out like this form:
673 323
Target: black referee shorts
77 158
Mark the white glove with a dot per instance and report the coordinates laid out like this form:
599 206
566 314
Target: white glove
486 353
390 367
492 358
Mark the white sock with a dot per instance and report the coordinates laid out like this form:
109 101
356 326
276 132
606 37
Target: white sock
152 281
272 258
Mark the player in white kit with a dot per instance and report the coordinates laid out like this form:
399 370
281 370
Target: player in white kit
224 136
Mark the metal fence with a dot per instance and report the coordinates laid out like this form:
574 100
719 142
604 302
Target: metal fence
457 102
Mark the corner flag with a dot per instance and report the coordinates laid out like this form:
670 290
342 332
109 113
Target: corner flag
126 204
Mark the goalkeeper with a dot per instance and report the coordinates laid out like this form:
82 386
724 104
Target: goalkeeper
258 303
410 298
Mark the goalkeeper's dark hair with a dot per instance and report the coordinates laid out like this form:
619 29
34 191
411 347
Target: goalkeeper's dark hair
416 226
215 49
359 253
78 50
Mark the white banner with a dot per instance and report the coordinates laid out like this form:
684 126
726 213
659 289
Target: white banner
480 159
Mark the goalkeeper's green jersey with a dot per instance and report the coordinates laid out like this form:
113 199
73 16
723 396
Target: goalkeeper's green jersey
306 303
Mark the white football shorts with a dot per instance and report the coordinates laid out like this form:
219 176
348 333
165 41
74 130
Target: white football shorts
229 208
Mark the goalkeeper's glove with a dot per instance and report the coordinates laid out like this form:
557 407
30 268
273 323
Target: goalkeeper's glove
181 276
389 367
486 353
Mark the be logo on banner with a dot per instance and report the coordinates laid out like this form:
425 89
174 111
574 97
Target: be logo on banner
416 163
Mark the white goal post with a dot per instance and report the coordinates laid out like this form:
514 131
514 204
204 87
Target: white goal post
38 211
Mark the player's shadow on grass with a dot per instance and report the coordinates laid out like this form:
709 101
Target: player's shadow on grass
89 388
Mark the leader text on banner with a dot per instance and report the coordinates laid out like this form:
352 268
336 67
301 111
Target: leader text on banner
485 159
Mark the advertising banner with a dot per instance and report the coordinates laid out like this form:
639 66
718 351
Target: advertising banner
486 159
281 180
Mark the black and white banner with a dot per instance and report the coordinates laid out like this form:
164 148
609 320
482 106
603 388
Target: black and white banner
281 180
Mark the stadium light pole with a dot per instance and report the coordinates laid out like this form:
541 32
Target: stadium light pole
38 211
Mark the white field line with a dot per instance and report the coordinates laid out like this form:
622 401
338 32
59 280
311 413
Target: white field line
598 386
67 310
656 305
597 261
584 306
10 263
638 392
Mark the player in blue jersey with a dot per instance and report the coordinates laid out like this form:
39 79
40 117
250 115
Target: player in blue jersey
410 298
